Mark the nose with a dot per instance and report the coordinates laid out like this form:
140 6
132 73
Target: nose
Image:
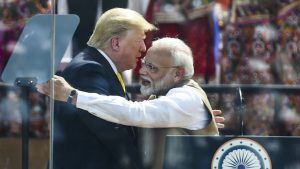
143 47
143 70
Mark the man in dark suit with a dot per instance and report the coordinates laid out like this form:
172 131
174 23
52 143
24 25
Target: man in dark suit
82 141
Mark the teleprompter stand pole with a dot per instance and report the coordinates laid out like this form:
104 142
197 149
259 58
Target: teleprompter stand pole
25 84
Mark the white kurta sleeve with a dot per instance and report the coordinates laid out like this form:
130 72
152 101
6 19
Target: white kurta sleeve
181 107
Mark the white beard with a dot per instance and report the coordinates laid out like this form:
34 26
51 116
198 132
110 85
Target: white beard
159 86
146 90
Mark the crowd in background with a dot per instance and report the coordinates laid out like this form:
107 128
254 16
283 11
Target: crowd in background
13 16
264 50
11 107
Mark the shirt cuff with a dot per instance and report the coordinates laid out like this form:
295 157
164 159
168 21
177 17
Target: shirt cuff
83 98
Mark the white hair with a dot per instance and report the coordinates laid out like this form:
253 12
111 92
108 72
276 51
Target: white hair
179 52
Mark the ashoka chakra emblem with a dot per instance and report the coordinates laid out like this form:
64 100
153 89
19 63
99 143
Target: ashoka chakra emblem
241 153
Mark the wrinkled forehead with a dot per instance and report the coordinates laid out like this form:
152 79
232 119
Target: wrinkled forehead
158 53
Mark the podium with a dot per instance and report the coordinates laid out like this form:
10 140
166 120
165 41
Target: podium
35 59
231 152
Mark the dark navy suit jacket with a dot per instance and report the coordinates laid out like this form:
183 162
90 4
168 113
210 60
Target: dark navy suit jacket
81 140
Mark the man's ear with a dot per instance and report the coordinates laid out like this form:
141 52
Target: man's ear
115 45
179 73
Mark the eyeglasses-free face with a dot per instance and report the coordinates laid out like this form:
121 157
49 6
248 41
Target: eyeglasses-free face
152 68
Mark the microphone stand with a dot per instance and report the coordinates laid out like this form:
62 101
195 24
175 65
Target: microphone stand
240 109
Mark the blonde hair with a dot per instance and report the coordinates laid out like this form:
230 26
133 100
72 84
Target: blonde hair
115 22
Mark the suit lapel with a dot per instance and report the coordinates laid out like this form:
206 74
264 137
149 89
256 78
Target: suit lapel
98 57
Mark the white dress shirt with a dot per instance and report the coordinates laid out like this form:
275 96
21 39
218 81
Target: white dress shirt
181 107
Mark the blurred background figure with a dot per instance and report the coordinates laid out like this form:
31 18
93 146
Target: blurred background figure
10 114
